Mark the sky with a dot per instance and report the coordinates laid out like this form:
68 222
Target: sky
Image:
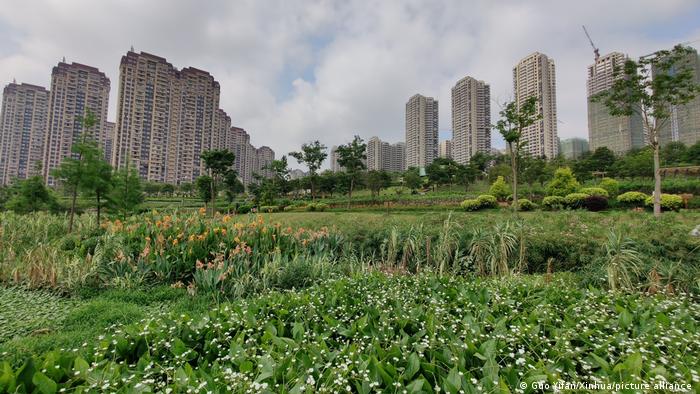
297 71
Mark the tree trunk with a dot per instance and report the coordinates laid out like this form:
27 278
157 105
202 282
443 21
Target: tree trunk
72 209
514 169
657 182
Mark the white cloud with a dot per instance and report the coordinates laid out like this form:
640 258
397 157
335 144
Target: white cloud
295 71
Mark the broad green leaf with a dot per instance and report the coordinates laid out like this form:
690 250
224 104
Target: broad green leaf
44 383
413 366
7 378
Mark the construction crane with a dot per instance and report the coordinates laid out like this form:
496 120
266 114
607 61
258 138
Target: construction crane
595 50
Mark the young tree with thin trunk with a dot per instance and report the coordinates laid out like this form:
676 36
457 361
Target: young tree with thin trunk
126 193
652 87
351 157
74 172
511 125
312 155
218 162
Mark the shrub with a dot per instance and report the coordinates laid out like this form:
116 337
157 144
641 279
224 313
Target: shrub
487 201
244 208
316 207
471 205
288 208
269 208
632 199
500 189
563 183
669 202
553 202
610 185
595 191
526 205
575 200
595 203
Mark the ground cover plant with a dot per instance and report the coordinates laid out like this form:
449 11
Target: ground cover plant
415 333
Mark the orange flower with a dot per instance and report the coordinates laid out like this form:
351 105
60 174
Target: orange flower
223 231
202 211
175 242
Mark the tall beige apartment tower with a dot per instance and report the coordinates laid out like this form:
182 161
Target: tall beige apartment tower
617 133
199 102
421 131
445 150
265 156
383 156
165 118
147 115
684 123
534 76
471 119
75 90
22 128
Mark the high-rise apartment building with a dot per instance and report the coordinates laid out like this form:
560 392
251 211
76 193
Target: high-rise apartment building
397 154
471 119
199 102
265 157
421 131
383 156
445 150
75 90
109 140
534 76
165 118
148 115
684 123
333 157
22 129
573 148
617 133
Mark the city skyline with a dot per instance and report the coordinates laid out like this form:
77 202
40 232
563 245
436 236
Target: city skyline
289 79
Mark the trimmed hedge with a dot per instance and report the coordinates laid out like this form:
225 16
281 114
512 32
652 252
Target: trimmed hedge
575 200
553 202
632 199
595 191
487 201
471 204
317 207
669 202
526 205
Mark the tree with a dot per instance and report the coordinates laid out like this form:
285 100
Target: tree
514 119
466 174
75 172
412 179
351 157
377 180
232 186
312 155
126 193
651 87
280 174
563 183
31 195
480 161
203 185
603 159
327 182
674 153
218 163
692 154
441 171
534 170
99 180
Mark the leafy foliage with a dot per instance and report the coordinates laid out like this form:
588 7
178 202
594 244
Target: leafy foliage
563 183
669 202
633 199
500 189
349 335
